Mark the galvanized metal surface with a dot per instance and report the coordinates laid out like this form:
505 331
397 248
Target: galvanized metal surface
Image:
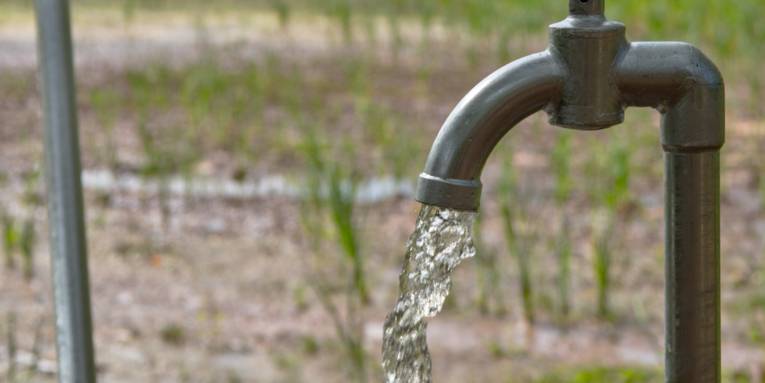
65 204
693 267
584 81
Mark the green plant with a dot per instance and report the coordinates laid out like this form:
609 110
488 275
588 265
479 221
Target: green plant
332 198
337 183
309 345
342 199
158 165
522 256
612 197
27 244
617 193
602 266
399 149
392 18
167 148
490 297
564 253
561 157
10 240
128 10
32 196
517 243
173 334
105 103
342 12
283 12
289 365
347 322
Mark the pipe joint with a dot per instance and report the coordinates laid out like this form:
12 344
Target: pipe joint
684 85
588 46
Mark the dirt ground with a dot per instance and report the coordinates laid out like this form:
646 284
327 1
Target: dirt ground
218 293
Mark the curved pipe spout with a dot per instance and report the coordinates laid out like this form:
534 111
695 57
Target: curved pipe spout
470 133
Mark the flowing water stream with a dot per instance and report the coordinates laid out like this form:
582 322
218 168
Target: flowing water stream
441 240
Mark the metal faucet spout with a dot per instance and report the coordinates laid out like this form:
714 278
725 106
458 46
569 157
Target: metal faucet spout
453 170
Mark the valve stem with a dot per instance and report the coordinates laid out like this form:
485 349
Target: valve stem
587 7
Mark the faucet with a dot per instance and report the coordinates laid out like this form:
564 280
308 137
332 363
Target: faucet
585 80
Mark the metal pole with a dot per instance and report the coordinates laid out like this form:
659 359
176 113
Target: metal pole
65 204
693 267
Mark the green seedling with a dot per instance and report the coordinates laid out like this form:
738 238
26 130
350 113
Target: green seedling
564 253
10 241
27 245
341 202
561 166
612 196
602 267
283 12
332 198
349 331
105 103
617 196
524 264
504 37
342 12
128 10
167 149
490 297
561 159
397 39
158 166
32 196
173 334
518 244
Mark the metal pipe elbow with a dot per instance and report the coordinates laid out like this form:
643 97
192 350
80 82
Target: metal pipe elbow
684 85
472 130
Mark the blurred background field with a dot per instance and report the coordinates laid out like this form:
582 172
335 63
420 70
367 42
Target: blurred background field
249 168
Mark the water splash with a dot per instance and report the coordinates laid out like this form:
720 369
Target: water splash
441 240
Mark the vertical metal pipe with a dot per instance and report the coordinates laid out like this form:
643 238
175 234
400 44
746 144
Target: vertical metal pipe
65 204
693 267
